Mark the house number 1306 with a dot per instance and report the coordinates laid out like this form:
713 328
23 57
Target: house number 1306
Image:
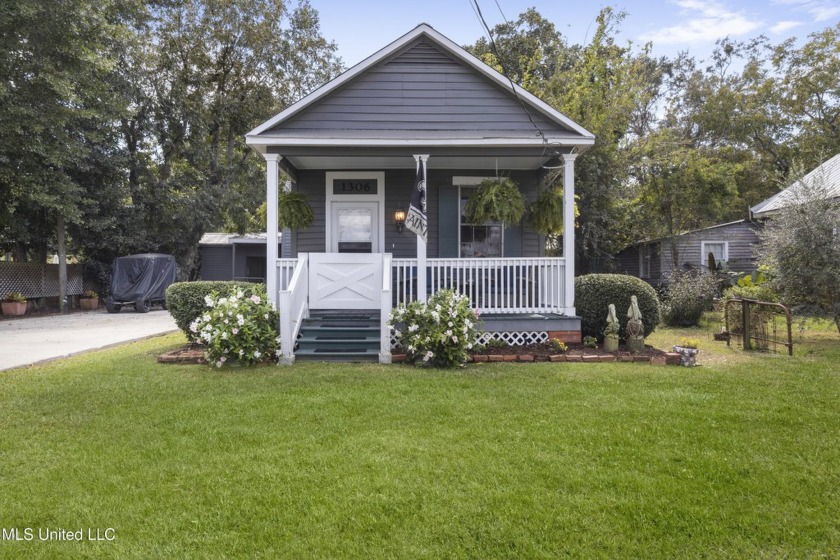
359 186
356 187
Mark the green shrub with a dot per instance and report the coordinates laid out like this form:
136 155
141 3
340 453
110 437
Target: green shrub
594 293
186 300
238 327
439 333
687 297
761 293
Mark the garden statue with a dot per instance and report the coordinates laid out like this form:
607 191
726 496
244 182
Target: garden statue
611 332
635 328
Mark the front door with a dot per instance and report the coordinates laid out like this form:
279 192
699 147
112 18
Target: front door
354 227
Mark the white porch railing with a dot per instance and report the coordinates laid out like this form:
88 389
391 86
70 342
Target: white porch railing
293 305
285 269
385 312
503 285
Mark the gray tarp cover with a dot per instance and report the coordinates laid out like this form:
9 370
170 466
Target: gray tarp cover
142 277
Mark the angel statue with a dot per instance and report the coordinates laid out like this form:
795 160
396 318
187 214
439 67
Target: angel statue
635 327
611 332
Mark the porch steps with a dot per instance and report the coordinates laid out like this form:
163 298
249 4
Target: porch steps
335 336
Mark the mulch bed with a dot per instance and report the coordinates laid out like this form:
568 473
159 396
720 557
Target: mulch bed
544 349
543 352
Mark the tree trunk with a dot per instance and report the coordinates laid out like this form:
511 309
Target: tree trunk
62 264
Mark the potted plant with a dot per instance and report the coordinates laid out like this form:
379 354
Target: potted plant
611 332
495 200
293 211
89 300
14 304
688 350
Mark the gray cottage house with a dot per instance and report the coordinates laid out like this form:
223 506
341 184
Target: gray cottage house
654 261
354 147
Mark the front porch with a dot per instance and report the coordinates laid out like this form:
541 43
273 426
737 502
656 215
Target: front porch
519 300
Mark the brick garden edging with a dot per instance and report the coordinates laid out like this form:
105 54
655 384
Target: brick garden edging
668 358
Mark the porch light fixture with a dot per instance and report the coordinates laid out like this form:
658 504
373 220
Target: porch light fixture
399 219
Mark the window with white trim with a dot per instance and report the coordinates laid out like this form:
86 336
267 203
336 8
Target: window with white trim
478 240
644 261
719 249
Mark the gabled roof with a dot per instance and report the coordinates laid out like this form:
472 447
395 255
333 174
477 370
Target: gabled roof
271 133
827 177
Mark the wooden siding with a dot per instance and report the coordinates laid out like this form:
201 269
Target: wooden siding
742 238
419 89
520 240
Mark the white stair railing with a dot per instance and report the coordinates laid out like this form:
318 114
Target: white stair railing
294 308
385 312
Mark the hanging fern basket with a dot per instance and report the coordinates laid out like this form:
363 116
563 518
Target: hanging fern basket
495 200
293 211
546 214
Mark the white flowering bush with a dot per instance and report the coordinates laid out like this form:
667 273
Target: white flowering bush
238 327
439 333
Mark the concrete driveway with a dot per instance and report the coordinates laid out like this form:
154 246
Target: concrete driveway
27 341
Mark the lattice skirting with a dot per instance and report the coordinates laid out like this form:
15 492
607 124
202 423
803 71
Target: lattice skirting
512 338
38 280
521 338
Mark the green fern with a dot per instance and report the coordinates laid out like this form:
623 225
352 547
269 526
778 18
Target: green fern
495 200
293 211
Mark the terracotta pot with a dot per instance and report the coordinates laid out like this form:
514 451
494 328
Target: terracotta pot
89 303
13 308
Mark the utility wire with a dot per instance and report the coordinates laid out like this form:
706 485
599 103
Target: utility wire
505 73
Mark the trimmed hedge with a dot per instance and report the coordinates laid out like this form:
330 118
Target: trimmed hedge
185 300
595 292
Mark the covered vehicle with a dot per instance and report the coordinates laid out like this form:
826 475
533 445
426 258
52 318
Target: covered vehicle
141 281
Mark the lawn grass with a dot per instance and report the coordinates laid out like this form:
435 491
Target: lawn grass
738 458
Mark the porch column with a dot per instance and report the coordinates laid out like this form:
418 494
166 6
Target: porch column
271 198
569 230
421 159
286 237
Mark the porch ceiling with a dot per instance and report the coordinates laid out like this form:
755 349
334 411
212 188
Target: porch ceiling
441 157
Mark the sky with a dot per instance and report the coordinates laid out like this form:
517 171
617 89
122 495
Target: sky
362 27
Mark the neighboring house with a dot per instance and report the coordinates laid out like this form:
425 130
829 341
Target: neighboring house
354 146
826 176
734 242
655 260
229 256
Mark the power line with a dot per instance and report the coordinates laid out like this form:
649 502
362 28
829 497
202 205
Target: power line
505 73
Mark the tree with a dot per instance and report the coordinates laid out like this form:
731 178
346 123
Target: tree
211 70
610 90
801 246
57 124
